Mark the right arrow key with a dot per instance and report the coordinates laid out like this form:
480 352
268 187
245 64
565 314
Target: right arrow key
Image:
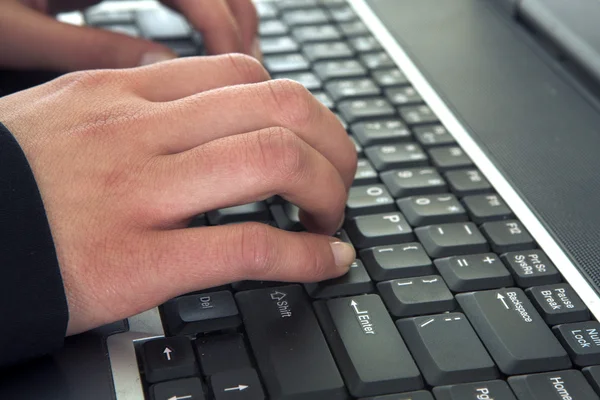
240 384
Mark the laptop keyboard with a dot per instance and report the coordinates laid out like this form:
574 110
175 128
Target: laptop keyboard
450 297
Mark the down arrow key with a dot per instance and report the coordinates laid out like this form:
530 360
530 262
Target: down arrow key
241 384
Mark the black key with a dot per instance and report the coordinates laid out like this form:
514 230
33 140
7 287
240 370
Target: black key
456 356
402 96
272 27
489 390
487 207
365 44
380 131
265 10
207 312
379 230
388 156
397 261
369 199
511 329
559 385
432 209
365 173
257 211
558 304
162 24
593 376
451 157
352 29
343 14
210 350
390 77
180 389
327 51
415 115
307 34
416 296
355 281
375 61
296 4
287 217
531 268
474 272
414 181
343 236
507 235
240 384
433 135
198 220
286 63
353 110
453 239
307 79
278 44
373 358
582 341
324 99
465 182
313 16
420 395
341 69
288 343
168 358
348 88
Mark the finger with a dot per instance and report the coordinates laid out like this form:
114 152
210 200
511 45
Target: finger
250 167
192 75
247 108
38 41
215 21
247 19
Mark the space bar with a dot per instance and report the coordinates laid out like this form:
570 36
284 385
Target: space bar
288 345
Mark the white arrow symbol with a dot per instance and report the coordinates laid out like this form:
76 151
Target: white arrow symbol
238 387
354 304
167 353
501 298
180 397
277 296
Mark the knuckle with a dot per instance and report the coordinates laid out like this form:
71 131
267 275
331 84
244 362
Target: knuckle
295 106
249 68
88 79
282 155
255 249
315 264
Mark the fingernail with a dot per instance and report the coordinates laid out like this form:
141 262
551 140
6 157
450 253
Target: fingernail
343 253
256 52
155 57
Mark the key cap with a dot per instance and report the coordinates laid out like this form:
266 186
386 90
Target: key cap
327 51
507 236
489 390
162 24
311 16
307 79
296 4
365 173
433 135
558 304
257 211
452 157
487 207
474 272
288 344
398 261
390 77
531 268
199 220
240 384
415 115
355 281
373 358
380 131
432 209
416 296
582 342
402 96
322 33
272 28
511 329
348 88
343 14
371 199
286 63
465 182
324 99
375 61
352 29
353 110
559 385
287 217
456 356
413 181
365 44
168 358
593 376
419 395
379 230
265 10
341 69
210 350
453 239
278 44
207 312
188 389
406 155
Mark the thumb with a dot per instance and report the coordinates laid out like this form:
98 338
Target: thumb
38 41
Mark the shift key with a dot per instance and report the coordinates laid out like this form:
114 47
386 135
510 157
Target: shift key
288 344
514 333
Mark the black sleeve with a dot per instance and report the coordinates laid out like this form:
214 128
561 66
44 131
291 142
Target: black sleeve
33 306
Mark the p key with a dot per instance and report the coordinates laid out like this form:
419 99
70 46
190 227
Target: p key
379 230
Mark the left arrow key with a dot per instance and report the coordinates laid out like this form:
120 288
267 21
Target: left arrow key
180 389
168 358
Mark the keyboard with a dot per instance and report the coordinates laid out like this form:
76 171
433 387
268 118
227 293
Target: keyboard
450 298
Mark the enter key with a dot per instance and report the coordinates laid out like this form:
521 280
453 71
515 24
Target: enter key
514 333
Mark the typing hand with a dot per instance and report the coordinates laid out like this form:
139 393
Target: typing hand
125 158
34 40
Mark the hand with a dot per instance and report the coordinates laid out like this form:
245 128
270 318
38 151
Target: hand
30 39
124 163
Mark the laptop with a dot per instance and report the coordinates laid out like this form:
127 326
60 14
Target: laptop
474 213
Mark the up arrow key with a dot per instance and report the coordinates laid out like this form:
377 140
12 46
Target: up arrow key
167 352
